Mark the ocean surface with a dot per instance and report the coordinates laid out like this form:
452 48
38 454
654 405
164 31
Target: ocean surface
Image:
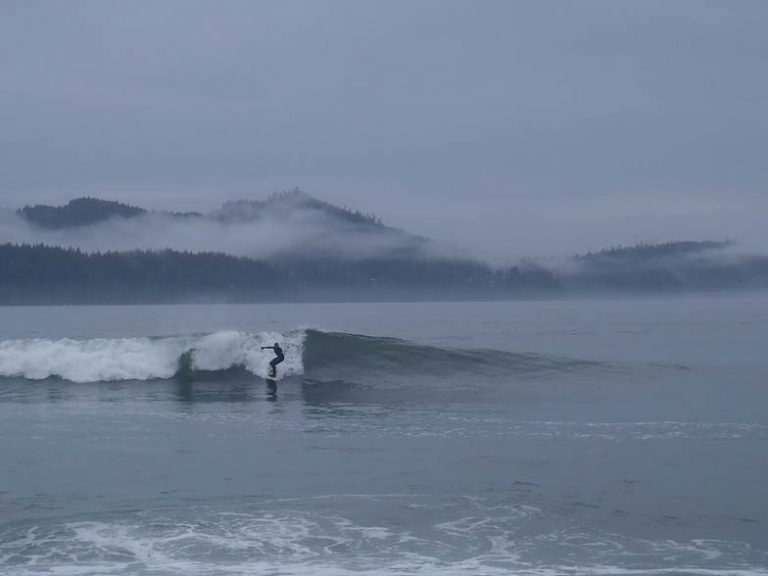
624 437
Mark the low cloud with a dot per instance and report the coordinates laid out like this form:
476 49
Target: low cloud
250 229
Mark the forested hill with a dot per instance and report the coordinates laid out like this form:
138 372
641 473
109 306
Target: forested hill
294 200
292 247
284 225
48 275
76 213
641 253
88 211
668 267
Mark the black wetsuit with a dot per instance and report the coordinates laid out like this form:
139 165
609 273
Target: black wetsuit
279 357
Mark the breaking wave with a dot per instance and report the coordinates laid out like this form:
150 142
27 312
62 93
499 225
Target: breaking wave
110 359
311 352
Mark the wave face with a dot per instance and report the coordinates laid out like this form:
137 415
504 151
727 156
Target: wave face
337 352
314 353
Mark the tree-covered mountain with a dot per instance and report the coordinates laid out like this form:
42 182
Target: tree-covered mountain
49 275
293 247
282 203
666 267
89 211
285 225
77 213
646 252
299 208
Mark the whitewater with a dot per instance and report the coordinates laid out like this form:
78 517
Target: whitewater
542 438
108 359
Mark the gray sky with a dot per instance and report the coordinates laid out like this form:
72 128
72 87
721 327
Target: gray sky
511 128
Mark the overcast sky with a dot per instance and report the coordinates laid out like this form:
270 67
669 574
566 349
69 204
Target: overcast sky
510 128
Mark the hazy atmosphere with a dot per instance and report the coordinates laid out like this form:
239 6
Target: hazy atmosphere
383 288
510 129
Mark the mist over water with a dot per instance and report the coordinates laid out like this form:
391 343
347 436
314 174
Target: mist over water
287 224
489 438
293 246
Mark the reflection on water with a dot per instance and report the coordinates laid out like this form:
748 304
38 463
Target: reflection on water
271 390
194 392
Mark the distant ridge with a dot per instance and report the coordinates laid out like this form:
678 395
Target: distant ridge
50 275
87 211
646 251
312 250
77 213
290 225
285 202
674 267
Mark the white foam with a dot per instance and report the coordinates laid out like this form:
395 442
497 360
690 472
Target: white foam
109 359
299 543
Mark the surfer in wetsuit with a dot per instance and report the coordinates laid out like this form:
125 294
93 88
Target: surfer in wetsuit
279 357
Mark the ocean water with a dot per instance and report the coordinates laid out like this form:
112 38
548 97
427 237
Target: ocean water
543 438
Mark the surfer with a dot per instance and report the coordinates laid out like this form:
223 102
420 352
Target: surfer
279 357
